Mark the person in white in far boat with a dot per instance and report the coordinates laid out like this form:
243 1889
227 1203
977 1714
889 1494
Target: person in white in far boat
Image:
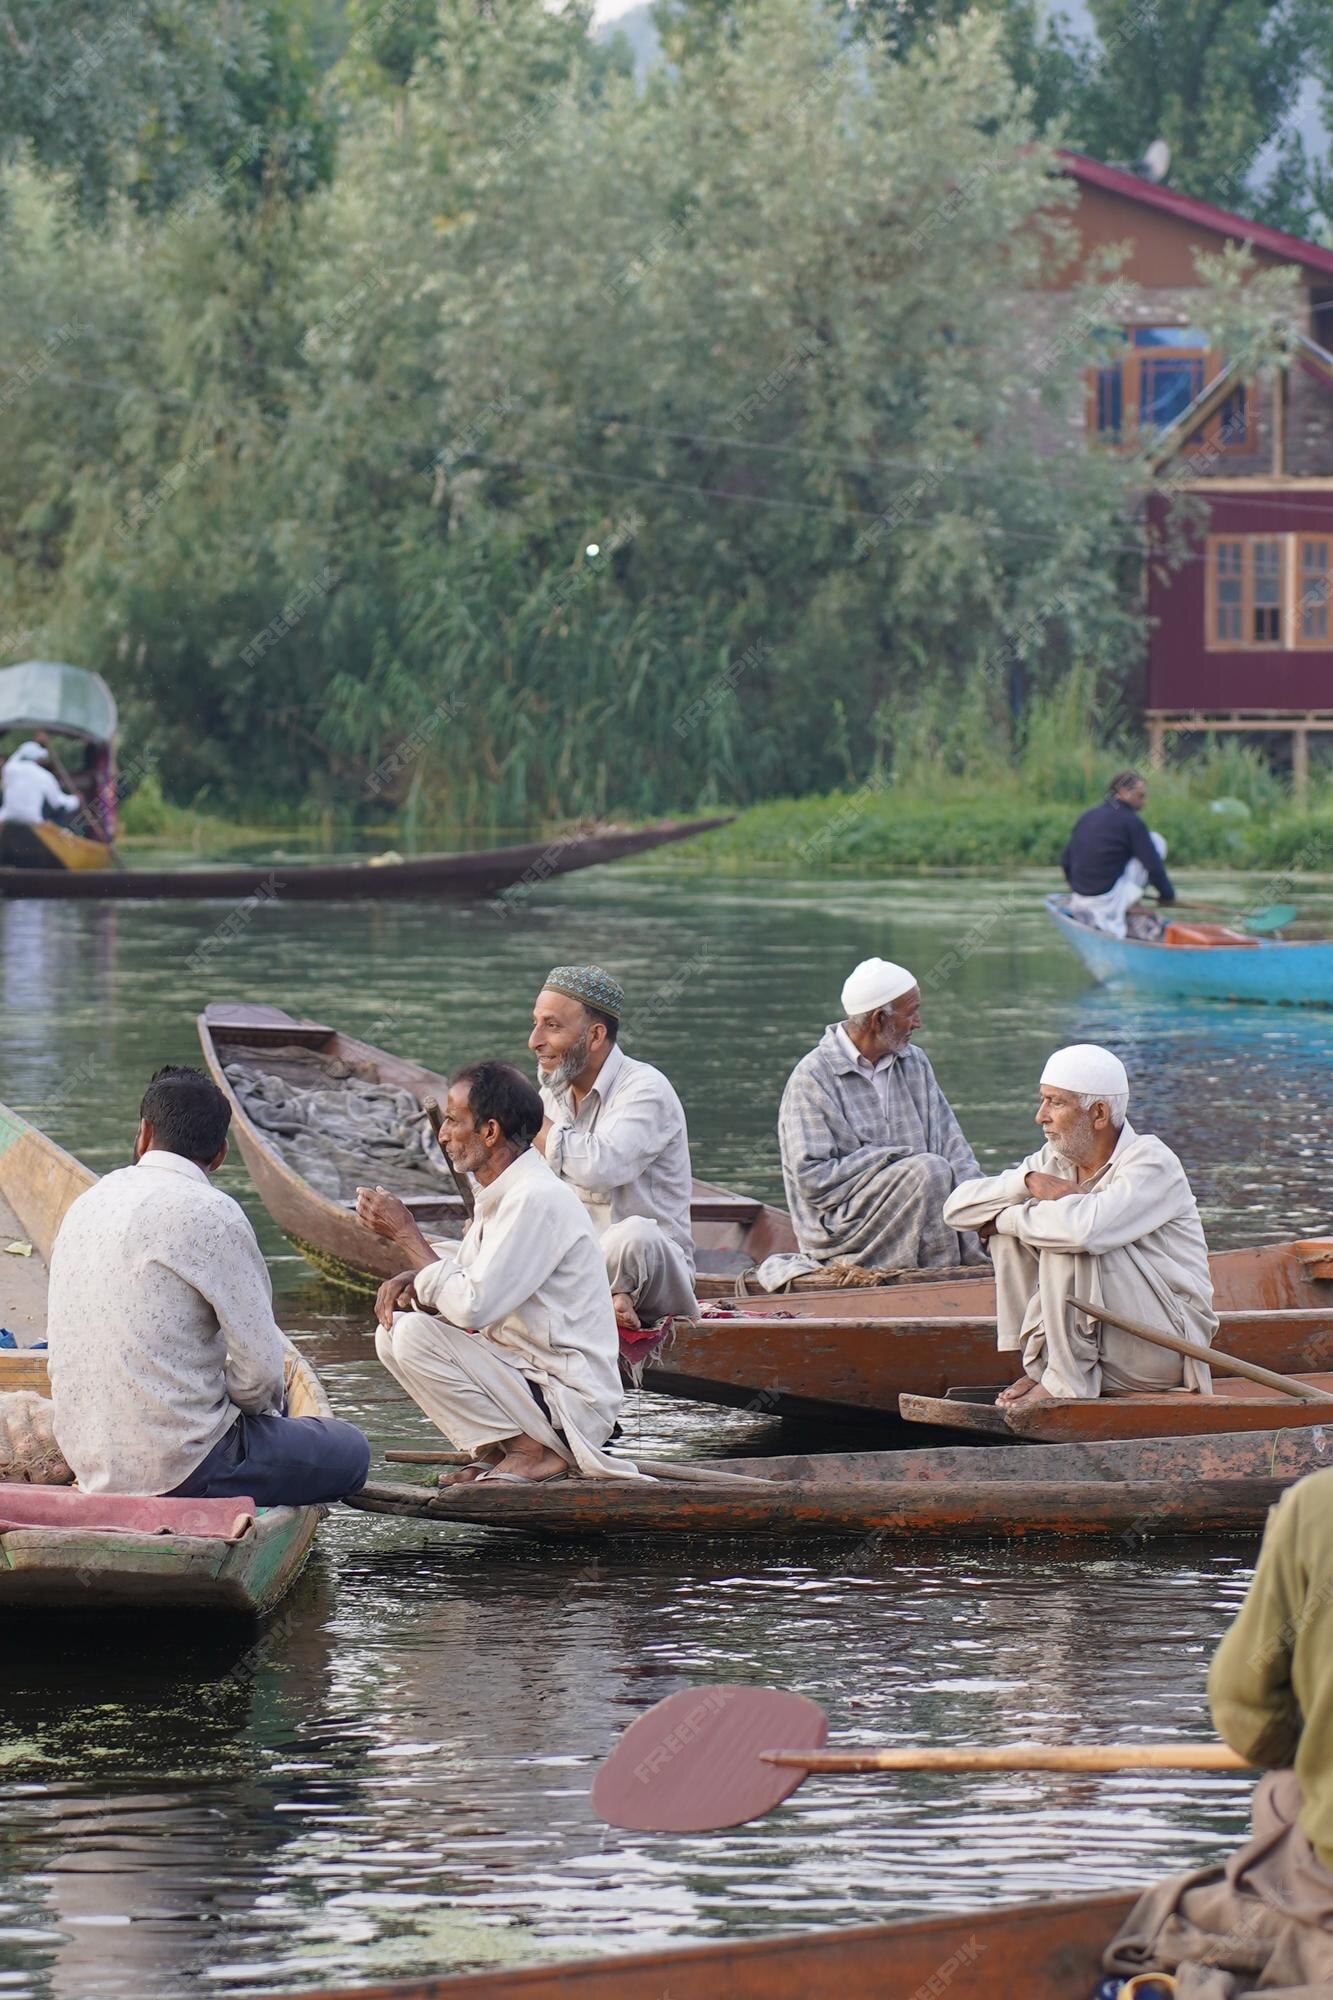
1102 1213
508 1342
28 790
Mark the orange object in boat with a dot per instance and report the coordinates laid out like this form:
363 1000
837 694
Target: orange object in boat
1205 934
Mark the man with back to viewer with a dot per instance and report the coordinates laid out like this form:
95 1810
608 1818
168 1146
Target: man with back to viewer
1262 1920
167 1367
1111 858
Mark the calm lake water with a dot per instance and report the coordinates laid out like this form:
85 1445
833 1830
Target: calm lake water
392 1776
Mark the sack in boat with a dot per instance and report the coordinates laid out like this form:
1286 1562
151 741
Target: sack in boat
29 1454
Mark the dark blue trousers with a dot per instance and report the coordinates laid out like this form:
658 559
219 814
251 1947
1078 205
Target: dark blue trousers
282 1462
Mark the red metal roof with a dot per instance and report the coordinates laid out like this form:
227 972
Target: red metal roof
1185 208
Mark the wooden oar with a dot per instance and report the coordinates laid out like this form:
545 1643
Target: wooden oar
1227 1364
435 1119
703 1759
679 1471
62 777
1271 917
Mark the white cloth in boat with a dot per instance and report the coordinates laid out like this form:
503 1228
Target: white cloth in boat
1109 912
160 1326
869 1152
1132 1242
27 789
529 1274
626 1152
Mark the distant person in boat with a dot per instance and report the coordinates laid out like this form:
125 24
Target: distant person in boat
870 1144
29 792
167 1369
1261 1921
1102 1213
615 1130
1112 858
507 1340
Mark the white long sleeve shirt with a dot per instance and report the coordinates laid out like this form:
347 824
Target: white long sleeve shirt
1140 1206
626 1150
530 1275
27 787
160 1326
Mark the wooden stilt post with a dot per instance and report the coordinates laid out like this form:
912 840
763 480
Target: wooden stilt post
1156 744
1300 761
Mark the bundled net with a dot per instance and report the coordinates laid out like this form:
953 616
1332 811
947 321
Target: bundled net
29 1454
337 1124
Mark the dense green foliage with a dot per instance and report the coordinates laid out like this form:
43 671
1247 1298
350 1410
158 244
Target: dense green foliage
554 446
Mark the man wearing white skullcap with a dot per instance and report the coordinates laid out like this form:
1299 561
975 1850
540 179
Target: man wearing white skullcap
28 791
870 1144
1102 1213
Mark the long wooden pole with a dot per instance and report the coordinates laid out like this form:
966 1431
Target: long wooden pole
1017 1757
1229 1364
678 1471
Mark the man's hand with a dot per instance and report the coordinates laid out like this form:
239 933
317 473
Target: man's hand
985 1230
1049 1187
383 1212
397 1295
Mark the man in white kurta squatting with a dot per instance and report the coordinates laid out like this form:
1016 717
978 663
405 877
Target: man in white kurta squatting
507 1340
615 1132
870 1144
1102 1213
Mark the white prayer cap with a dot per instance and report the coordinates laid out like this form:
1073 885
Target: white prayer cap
876 982
30 753
1087 1070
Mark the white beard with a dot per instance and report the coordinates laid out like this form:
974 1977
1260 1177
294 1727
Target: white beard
571 1063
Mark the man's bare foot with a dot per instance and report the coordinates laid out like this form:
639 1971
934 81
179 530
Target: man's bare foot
467 1475
1017 1392
1037 1395
625 1313
529 1462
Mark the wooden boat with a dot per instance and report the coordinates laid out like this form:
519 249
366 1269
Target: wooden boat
487 872
1295 972
1204 1485
77 708
325 1230
851 1354
96 1569
1043 1951
1235 1405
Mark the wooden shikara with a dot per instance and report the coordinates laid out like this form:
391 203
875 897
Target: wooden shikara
1041 1951
77 1569
487 872
1173 1413
1161 1486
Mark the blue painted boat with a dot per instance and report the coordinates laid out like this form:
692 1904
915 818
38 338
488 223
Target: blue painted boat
1277 971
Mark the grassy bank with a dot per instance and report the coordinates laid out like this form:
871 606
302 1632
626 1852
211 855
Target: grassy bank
897 831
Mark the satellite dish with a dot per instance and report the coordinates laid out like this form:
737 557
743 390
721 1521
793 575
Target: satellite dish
1156 162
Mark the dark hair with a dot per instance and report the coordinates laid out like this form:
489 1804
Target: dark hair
608 1021
188 1113
1121 782
497 1090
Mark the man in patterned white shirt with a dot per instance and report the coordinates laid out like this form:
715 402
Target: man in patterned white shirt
166 1365
615 1131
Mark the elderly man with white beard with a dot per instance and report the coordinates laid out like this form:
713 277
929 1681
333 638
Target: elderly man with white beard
615 1132
1102 1213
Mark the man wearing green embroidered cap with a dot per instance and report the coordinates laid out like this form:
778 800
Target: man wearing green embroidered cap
615 1130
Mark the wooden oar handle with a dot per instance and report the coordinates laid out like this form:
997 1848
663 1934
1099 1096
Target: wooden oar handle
1018 1757
1229 1364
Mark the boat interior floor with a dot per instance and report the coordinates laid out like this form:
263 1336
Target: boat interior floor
22 1283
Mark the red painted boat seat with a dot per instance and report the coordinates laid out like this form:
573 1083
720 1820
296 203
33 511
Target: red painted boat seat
1205 934
24 1506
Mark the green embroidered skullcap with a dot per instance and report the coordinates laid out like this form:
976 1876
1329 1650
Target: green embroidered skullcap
590 985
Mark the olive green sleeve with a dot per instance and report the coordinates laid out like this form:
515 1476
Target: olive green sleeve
1249 1683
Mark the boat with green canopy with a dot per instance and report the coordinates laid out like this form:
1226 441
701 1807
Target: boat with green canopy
72 713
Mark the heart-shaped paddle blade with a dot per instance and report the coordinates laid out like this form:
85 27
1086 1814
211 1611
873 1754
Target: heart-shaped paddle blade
691 1764
1275 917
